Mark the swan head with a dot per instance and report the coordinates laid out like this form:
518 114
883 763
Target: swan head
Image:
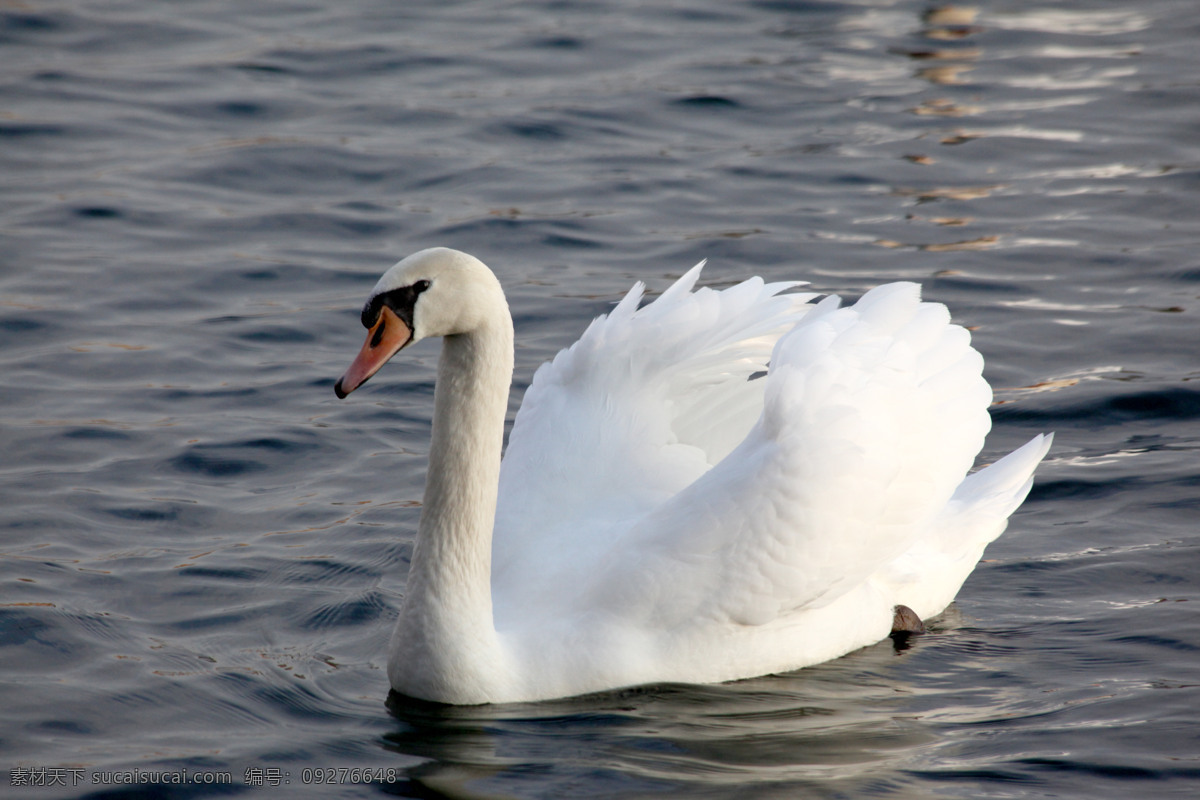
435 292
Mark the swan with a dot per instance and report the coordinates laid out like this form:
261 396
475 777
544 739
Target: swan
716 485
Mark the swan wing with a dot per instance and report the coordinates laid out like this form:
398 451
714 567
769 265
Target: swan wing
872 416
647 401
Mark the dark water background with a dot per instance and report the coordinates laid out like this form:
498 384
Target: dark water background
201 550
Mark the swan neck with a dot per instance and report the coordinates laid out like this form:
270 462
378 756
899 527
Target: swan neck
446 623
470 402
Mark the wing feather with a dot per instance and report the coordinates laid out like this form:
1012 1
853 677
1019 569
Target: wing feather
872 416
641 406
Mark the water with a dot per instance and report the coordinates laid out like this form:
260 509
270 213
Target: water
202 549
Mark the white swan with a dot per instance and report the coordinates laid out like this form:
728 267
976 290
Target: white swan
662 513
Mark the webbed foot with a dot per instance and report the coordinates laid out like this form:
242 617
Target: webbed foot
905 623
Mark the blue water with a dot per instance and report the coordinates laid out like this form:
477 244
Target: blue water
201 549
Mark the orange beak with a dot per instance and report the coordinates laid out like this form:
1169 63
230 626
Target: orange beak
388 337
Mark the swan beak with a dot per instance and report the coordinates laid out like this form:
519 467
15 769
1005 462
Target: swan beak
387 337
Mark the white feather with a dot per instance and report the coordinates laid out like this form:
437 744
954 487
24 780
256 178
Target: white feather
664 513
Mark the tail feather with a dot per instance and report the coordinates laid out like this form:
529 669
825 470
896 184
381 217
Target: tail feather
1000 488
929 575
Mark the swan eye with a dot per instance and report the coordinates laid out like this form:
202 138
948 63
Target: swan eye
420 286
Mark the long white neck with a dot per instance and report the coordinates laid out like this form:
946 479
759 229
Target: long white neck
445 646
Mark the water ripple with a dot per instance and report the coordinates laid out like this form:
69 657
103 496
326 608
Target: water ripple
203 549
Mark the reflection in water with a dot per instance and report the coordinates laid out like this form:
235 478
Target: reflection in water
944 107
948 24
882 720
958 18
951 54
947 192
955 37
820 723
978 243
946 74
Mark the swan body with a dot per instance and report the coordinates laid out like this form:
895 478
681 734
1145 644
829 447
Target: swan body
716 485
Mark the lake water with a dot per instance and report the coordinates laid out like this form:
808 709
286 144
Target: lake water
202 550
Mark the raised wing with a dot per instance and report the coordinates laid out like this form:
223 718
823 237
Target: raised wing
872 416
646 402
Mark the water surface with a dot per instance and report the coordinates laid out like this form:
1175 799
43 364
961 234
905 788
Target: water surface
202 550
